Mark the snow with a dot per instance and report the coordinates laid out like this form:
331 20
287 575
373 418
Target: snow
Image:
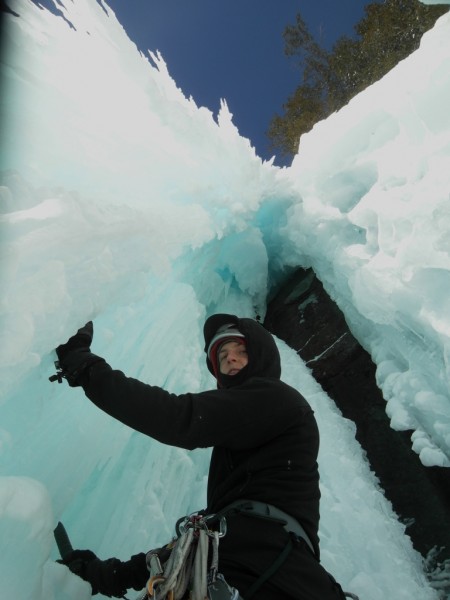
125 203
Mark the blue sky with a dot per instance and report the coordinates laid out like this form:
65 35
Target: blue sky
233 49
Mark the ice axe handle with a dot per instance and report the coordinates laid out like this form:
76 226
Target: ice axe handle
62 540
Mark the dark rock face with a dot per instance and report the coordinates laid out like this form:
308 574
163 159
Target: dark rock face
303 315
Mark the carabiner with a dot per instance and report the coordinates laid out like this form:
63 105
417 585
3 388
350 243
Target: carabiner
222 526
151 592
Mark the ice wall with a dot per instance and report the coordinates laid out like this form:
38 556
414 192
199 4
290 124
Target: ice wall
124 202
374 223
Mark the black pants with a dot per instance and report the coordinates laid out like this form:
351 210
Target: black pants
250 548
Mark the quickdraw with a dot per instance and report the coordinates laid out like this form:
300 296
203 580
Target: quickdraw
187 566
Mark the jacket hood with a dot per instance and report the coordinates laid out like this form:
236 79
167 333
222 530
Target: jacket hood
263 355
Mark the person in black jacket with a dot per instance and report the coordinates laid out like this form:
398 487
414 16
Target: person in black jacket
264 461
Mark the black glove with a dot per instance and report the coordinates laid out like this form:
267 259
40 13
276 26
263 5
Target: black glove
75 356
110 577
82 340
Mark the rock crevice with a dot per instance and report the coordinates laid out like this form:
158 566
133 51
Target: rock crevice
304 316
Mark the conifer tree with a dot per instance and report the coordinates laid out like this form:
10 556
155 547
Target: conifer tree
388 33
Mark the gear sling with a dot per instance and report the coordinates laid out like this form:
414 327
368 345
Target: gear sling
186 564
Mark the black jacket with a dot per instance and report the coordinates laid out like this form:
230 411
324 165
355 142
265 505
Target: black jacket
263 432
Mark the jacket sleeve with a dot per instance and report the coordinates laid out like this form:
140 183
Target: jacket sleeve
241 417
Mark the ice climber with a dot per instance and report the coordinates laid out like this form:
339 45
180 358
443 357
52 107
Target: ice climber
263 474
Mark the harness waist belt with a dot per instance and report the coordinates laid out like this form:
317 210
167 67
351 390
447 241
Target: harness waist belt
272 513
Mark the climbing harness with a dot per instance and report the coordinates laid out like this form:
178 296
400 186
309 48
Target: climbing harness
295 530
187 565
270 513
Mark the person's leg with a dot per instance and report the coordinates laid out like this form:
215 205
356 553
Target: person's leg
250 549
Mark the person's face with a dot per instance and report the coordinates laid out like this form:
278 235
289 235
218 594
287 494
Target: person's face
232 357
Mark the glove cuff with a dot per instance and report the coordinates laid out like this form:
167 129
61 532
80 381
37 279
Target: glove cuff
135 573
75 367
